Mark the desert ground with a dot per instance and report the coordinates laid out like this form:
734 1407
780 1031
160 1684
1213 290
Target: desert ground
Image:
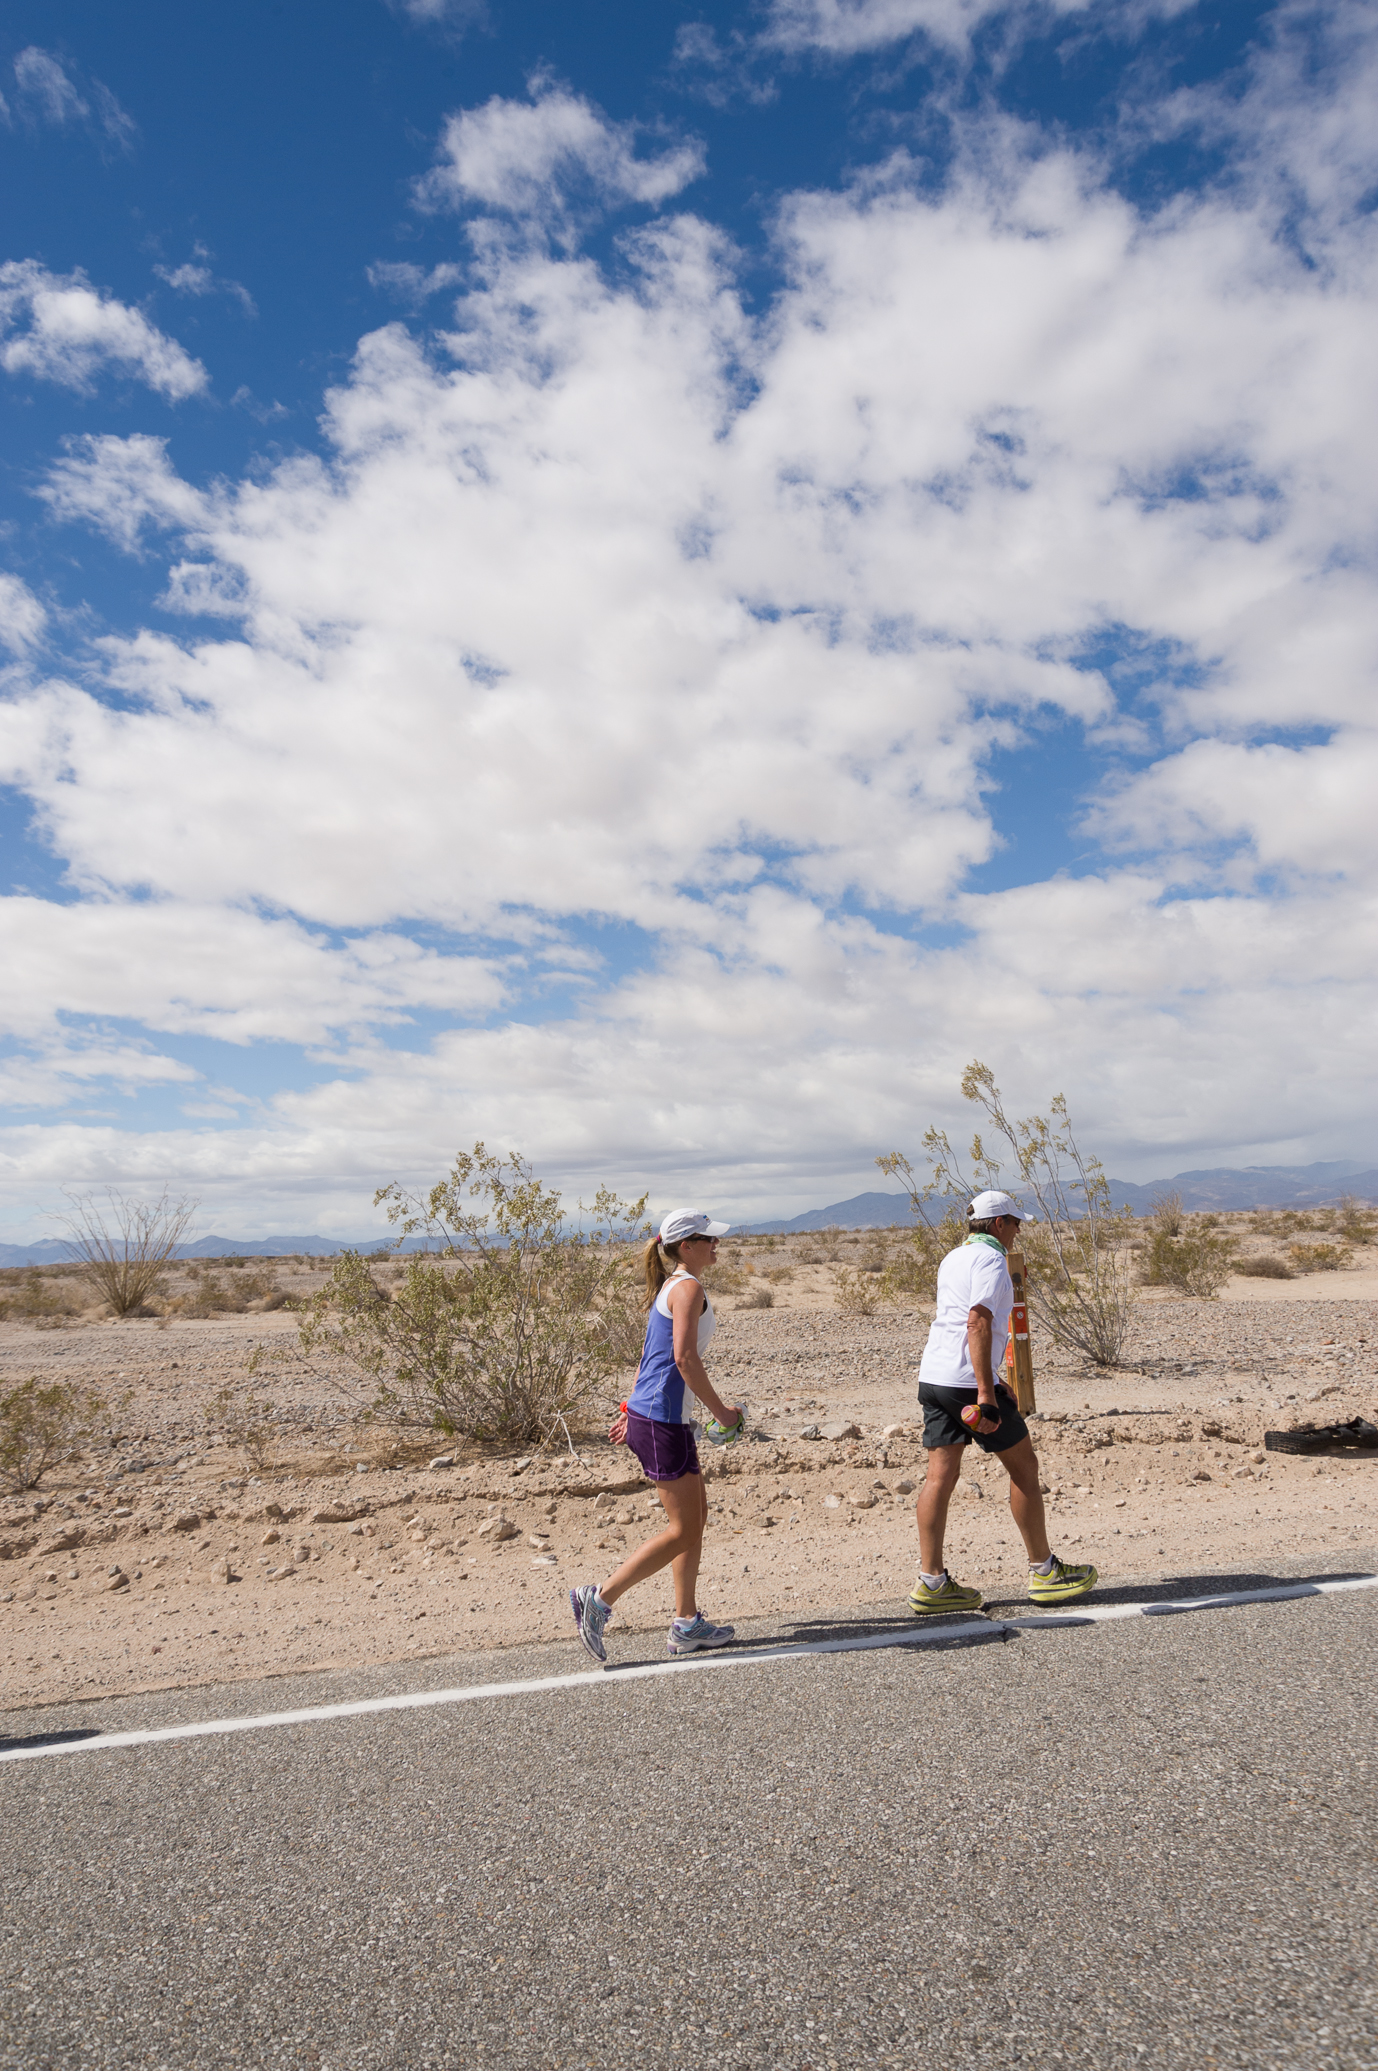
165 1556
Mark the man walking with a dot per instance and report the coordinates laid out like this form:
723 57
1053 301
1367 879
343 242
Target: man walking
961 1402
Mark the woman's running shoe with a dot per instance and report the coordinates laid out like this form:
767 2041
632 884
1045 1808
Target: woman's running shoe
1062 1582
925 1602
687 1639
590 1619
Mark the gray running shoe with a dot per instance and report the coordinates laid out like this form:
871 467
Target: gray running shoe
687 1639
590 1619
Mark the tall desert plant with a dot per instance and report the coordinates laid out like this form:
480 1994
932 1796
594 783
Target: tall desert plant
124 1246
1080 1277
507 1324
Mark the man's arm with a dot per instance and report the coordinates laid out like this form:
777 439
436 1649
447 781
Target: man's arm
980 1338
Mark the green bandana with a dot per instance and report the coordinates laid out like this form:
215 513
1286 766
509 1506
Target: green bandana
980 1237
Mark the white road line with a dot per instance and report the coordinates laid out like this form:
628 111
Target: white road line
611 1679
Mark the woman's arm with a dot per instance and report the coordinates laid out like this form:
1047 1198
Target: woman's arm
685 1301
980 1344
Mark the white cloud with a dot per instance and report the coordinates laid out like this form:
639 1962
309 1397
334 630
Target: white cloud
539 158
844 28
447 14
120 486
414 285
60 328
620 622
48 95
195 277
22 617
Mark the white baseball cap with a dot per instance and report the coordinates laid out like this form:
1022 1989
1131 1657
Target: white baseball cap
690 1222
986 1207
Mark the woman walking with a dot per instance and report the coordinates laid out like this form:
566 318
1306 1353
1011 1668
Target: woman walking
678 1329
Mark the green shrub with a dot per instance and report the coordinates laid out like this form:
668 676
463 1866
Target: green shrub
40 1427
35 1300
507 1325
1197 1263
1318 1258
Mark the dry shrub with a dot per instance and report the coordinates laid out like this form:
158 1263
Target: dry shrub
209 1295
1357 1220
1080 1277
1266 1265
123 1247
35 1300
779 1273
248 1423
757 1298
858 1294
1168 1214
40 1427
1318 1258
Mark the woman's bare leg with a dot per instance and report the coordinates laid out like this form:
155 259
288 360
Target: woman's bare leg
686 1506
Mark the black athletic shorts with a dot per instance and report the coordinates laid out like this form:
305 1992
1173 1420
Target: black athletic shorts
942 1419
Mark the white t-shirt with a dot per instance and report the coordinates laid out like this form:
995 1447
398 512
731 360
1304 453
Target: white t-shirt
975 1275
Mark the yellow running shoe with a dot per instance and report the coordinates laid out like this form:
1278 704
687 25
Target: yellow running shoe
1061 1583
925 1602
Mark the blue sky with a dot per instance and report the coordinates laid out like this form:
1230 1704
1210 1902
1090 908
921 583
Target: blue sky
644 583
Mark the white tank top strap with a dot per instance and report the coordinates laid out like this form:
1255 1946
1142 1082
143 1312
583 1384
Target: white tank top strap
708 1322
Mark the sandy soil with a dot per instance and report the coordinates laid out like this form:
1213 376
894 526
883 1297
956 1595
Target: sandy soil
162 1560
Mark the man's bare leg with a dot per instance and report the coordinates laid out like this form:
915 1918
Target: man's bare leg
944 1468
1020 1462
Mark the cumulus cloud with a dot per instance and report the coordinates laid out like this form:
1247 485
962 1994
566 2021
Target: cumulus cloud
120 487
625 641
543 157
46 94
61 328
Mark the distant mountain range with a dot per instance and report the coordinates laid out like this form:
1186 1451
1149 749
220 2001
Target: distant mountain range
1221 1187
1258 1186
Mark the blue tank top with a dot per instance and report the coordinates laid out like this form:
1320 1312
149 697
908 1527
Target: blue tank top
659 1389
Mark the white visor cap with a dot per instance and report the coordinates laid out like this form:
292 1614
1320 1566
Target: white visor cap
690 1222
986 1207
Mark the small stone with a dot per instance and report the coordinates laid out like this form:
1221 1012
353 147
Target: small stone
832 1502
339 1513
540 1540
904 1488
545 1560
270 1538
625 1517
184 1521
123 1511
810 1431
1200 1475
443 1460
302 1553
861 1499
117 1580
1120 1502
974 1490
893 1431
274 1510
520 1466
219 1571
842 1430
498 1528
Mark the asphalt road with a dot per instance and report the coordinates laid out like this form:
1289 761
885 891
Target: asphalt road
1145 1843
